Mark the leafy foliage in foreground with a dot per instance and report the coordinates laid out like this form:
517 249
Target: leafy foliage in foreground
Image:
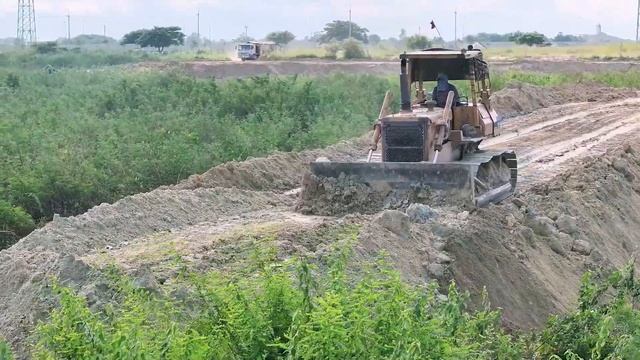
606 324
75 139
278 312
5 351
292 311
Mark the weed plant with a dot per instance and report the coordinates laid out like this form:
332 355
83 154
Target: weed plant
293 311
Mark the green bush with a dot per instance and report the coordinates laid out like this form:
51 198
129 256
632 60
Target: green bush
5 351
294 310
606 324
418 42
282 311
353 49
14 223
12 81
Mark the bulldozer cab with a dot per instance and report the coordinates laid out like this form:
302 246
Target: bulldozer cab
425 66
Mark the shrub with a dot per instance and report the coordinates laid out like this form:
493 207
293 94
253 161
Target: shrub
14 223
332 50
5 351
418 42
281 311
353 50
47 47
12 81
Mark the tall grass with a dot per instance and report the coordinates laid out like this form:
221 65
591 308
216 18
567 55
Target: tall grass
624 50
75 58
74 139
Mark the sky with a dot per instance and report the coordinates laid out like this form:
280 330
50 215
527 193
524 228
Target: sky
226 19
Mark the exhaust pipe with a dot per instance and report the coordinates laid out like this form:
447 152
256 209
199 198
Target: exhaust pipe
405 91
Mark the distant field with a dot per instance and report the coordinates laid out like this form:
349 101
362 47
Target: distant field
603 52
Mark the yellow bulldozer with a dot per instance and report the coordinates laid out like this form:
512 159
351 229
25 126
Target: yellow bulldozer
425 146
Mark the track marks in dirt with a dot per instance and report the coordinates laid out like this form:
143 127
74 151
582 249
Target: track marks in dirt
548 143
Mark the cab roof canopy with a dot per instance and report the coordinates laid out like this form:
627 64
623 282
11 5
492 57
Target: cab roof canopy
425 65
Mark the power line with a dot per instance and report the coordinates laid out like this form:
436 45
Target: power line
26 22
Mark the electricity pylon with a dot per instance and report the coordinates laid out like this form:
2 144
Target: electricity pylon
26 22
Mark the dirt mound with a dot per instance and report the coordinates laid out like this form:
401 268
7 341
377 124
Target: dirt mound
520 98
54 250
531 254
277 172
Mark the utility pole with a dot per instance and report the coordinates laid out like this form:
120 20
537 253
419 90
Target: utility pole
198 25
246 31
351 24
104 30
68 26
638 24
26 22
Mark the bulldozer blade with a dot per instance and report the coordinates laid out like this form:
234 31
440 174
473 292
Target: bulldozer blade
481 178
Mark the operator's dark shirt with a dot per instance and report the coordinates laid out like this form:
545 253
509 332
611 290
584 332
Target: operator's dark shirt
440 97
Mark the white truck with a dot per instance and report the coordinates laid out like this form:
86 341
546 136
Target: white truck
254 50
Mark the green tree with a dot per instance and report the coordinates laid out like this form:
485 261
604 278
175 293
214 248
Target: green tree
158 37
531 39
374 39
281 38
418 42
338 30
162 37
133 37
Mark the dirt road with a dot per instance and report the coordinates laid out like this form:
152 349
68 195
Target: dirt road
579 184
546 142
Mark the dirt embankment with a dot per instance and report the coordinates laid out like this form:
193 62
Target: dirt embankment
520 98
575 210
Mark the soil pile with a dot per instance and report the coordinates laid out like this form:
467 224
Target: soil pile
54 250
277 172
521 98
